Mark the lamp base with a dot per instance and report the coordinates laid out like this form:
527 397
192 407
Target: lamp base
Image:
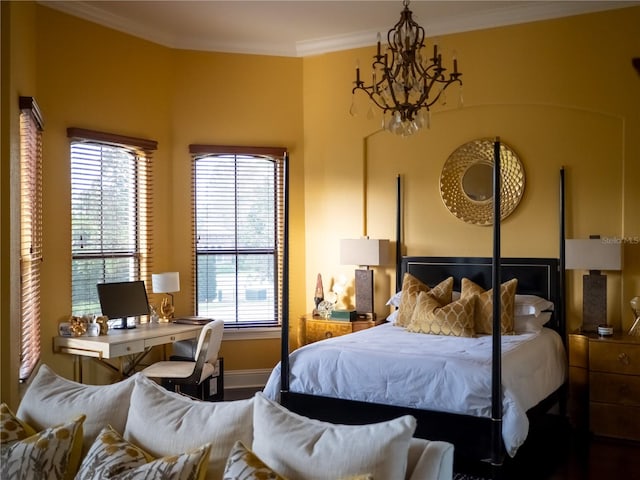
594 301
364 294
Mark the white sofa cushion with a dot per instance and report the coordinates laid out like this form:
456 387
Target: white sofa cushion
51 398
165 423
299 447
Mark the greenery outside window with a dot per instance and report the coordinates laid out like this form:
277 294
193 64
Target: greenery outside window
111 192
31 127
238 232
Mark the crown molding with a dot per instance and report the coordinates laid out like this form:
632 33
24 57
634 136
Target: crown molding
515 13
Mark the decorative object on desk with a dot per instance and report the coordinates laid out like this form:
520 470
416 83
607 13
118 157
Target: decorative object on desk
594 255
365 252
103 321
318 295
77 325
635 308
406 82
169 283
466 181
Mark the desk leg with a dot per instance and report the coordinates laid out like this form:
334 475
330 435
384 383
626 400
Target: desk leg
77 368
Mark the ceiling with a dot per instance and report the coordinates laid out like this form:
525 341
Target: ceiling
305 27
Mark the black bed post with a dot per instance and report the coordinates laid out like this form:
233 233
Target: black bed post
496 368
562 310
398 235
284 343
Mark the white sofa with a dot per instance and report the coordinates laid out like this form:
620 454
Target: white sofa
203 438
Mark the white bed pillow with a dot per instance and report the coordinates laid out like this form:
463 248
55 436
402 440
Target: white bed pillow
531 323
531 305
165 423
395 300
299 447
51 399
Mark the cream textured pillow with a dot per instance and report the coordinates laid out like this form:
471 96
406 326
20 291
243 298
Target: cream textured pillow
51 395
484 305
166 423
411 287
301 448
112 457
455 319
52 454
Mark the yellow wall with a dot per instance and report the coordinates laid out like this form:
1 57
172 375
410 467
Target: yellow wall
560 93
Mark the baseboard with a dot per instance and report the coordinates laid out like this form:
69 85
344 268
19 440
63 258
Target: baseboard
246 378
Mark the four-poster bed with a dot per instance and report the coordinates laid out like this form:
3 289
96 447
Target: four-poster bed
475 436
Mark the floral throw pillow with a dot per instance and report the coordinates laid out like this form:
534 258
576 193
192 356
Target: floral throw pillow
112 457
52 454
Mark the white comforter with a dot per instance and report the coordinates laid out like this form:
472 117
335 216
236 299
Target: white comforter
388 365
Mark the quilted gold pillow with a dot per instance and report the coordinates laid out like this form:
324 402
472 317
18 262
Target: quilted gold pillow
411 288
12 428
484 305
454 319
52 454
112 457
244 464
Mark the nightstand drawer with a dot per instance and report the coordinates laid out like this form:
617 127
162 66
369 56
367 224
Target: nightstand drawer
321 329
613 388
614 357
615 421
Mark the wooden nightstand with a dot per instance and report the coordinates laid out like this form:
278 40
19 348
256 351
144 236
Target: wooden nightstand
604 390
311 329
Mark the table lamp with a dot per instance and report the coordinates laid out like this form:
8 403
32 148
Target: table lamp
593 254
365 252
169 283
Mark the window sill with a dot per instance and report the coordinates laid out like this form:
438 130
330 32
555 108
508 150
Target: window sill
251 333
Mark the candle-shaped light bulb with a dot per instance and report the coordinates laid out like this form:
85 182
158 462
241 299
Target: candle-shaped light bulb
357 71
379 40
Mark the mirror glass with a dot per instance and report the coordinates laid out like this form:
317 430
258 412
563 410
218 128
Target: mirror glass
477 182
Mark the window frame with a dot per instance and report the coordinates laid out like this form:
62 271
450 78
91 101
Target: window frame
31 240
142 151
280 156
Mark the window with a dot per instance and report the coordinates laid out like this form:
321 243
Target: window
31 126
239 231
111 186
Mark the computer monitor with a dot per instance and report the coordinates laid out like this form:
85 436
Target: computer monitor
123 300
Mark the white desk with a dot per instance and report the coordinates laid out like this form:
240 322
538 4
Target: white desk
136 342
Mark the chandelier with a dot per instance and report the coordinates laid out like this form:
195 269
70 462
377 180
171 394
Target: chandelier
405 83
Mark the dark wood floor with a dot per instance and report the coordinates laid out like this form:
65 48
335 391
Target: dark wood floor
553 452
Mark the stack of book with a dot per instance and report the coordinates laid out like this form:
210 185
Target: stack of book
344 315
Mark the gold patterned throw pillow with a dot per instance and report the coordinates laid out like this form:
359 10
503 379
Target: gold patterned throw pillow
113 457
484 305
243 464
12 428
411 288
454 319
52 454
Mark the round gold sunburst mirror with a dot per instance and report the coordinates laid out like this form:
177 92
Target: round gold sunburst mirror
466 182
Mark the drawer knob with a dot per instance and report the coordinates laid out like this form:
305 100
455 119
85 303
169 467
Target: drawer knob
173 339
624 359
624 390
328 334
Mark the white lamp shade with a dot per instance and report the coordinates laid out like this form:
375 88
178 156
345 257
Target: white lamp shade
364 251
167 282
593 254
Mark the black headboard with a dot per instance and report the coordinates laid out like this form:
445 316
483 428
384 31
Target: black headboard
536 276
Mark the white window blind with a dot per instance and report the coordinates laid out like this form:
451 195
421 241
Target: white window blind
239 219
110 213
31 126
